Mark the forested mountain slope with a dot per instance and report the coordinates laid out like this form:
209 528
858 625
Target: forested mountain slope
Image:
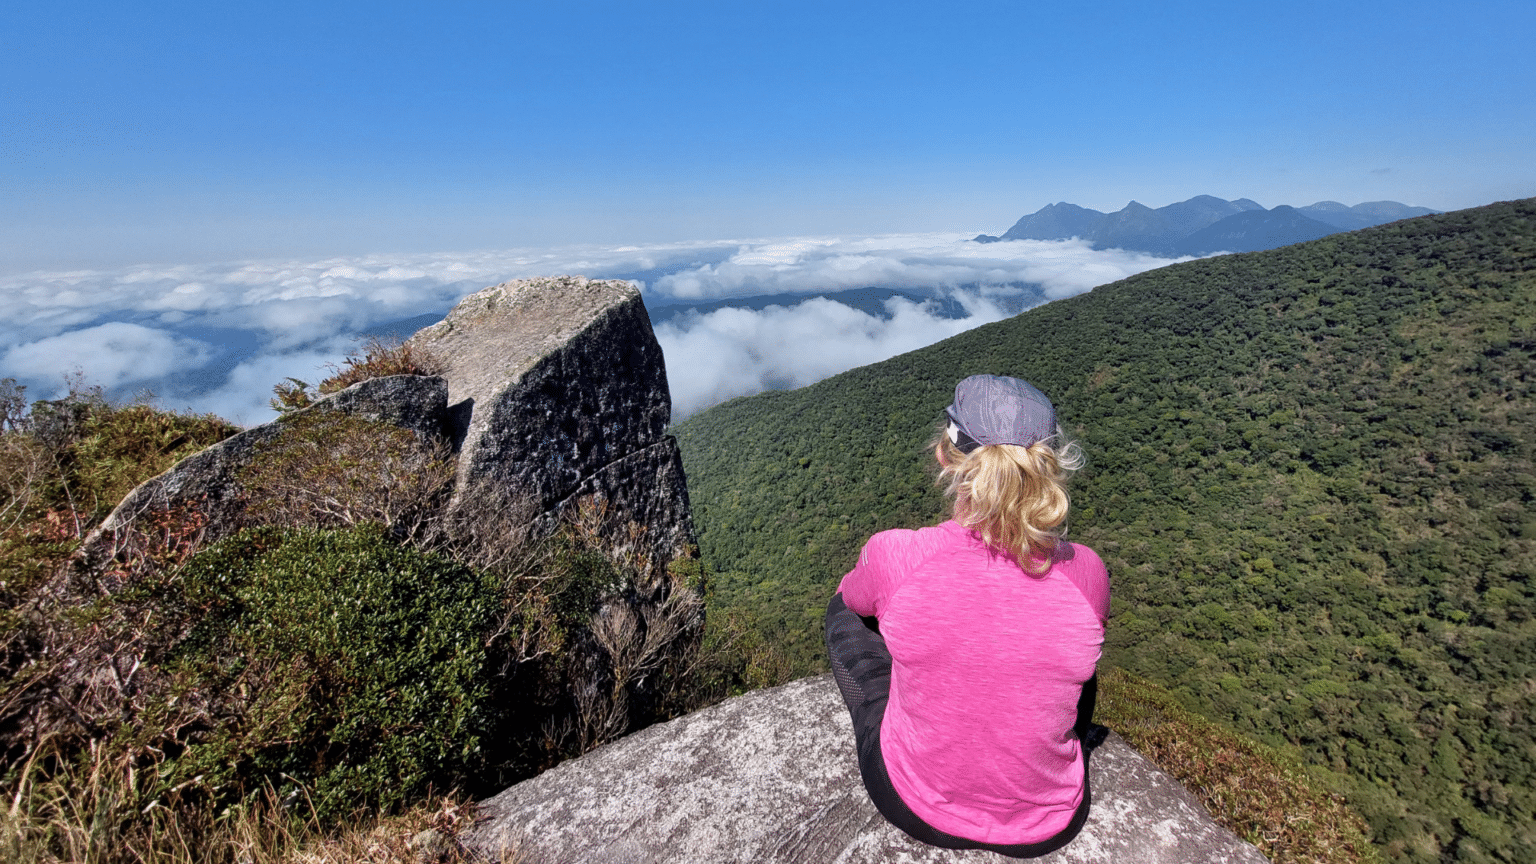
1311 475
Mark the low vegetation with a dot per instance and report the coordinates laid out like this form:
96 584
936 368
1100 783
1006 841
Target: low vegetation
376 357
64 464
333 470
219 702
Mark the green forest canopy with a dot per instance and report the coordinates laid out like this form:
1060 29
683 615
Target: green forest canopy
1310 475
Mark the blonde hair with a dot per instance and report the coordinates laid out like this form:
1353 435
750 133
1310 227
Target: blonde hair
1014 497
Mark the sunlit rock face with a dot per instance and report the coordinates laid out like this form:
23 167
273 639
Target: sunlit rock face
770 776
557 393
553 397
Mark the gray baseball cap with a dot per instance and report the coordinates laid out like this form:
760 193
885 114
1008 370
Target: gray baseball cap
992 409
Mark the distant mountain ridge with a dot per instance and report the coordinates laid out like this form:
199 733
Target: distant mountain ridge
1202 225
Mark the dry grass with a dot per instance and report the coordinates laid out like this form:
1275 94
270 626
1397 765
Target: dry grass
1258 793
88 811
334 470
85 823
377 358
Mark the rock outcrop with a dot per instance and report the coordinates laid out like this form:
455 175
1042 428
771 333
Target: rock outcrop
770 777
558 393
554 392
551 405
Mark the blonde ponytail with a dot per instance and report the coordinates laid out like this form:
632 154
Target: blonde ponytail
1014 497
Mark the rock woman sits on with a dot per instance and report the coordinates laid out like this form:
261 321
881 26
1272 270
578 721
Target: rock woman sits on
966 651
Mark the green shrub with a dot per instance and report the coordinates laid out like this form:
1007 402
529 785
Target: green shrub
122 446
353 667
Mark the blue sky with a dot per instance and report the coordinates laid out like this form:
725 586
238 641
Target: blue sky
176 132
201 199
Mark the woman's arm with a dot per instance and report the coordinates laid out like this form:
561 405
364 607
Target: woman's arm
869 584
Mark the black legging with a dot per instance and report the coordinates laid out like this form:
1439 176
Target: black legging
862 667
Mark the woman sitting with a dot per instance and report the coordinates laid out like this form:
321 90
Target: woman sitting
966 651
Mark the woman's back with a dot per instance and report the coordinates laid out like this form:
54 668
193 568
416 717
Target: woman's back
987 666
969 700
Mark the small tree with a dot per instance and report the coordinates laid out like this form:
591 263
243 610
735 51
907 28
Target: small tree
13 406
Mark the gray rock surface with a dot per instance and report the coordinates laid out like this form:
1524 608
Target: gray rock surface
770 777
558 391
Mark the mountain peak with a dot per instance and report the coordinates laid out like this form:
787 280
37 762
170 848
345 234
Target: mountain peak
1253 231
1059 221
1167 230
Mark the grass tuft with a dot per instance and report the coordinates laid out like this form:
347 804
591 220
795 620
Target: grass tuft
81 822
378 358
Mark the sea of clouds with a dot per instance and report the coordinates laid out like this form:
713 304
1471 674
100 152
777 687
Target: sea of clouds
217 337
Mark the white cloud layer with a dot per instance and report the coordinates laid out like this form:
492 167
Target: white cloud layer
217 337
736 352
299 300
813 265
112 355
245 397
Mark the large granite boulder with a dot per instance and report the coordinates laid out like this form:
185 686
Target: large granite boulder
770 777
552 405
558 393
553 395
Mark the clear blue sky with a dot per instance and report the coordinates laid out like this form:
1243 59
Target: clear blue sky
164 132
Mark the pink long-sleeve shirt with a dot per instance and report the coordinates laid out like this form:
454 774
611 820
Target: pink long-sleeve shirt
987 665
